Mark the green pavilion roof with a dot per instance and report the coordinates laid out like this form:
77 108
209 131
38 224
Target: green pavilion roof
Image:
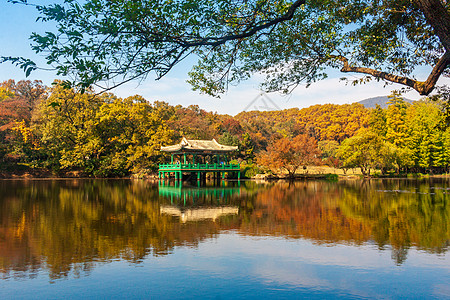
198 146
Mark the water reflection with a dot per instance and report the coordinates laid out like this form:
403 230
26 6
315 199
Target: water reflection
70 226
195 203
357 212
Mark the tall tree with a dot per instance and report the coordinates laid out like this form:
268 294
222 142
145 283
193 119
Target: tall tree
377 120
396 131
425 137
289 41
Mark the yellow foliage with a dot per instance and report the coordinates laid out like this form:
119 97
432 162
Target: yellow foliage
27 134
5 93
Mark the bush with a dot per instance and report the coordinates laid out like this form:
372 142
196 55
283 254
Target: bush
249 169
332 177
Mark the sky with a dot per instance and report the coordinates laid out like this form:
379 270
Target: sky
18 22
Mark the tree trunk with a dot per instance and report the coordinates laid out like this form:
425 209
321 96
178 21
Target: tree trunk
438 17
363 171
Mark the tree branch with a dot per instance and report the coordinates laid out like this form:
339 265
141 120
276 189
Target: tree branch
438 69
423 87
210 41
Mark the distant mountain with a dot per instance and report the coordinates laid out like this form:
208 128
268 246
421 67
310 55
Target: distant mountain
381 100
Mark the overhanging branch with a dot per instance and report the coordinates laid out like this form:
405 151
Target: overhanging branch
423 87
211 41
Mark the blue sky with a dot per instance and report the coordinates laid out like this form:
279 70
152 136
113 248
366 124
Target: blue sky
18 22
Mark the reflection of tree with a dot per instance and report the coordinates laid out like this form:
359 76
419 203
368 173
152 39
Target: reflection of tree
68 227
300 210
402 214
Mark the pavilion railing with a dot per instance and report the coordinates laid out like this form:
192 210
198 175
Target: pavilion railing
199 167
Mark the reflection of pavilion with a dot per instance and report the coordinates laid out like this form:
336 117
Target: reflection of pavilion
199 203
179 192
198 157
199 214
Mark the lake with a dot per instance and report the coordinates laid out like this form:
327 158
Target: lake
82 239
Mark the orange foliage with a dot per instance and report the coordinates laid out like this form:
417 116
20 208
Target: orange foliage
333 121
323 122
290 154
195 123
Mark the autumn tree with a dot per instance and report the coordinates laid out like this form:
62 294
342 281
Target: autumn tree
230 140
290 154
17 101
247 148
329 150
409 137
63 121
131 132
103 135
232 126
291 42
392 157
258 126
193 122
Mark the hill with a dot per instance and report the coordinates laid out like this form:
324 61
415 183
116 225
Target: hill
380 100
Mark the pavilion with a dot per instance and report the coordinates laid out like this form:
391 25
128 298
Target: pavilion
200 157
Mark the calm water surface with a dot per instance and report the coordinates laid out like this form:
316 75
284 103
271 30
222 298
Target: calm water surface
80 239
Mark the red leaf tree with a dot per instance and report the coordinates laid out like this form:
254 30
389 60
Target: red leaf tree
290 154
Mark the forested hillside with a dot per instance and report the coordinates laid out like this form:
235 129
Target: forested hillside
60 130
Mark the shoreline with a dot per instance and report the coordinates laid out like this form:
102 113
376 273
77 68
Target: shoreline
260 177
23 172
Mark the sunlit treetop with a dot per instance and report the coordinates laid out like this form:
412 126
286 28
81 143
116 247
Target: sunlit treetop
290 42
